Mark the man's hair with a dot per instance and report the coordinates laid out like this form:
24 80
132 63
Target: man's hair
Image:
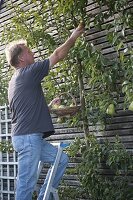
13 50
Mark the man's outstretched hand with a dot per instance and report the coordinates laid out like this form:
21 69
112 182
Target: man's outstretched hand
78 31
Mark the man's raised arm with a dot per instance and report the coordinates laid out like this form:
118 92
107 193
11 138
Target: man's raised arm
61 52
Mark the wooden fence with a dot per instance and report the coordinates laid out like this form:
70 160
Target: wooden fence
121 124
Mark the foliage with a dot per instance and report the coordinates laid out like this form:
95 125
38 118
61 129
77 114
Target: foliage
34 196
3 81
117 164
6 146
70 193
46 24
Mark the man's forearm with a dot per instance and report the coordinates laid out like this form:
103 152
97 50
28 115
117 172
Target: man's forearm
63 50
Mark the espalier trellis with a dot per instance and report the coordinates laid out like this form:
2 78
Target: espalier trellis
96 80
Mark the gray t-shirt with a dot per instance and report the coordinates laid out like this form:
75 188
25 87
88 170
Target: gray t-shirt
30 113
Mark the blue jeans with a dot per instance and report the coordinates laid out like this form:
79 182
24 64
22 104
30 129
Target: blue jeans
31 149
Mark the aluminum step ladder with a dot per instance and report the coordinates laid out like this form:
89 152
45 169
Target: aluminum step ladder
49 188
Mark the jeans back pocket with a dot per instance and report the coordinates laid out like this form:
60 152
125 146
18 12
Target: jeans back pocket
18 143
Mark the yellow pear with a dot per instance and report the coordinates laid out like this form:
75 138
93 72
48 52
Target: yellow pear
72 104
59 120
61 106
55 106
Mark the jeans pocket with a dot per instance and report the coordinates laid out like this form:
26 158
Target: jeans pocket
18 143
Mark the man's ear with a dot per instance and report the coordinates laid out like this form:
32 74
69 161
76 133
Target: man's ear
20 58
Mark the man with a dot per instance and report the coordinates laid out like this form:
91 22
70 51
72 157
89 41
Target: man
31 120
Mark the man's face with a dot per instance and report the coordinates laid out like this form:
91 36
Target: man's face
27 56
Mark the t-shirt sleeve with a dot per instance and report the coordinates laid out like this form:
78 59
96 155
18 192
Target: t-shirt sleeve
39 70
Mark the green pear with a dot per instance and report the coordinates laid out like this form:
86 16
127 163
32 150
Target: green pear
131 106
111 109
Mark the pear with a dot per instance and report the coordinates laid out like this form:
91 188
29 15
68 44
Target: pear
111 109
59 120
55 106
68 116
131 106
72 104
61 106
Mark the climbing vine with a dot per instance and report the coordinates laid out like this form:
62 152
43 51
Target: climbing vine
95 184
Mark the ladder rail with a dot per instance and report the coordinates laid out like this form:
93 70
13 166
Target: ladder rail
49 187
